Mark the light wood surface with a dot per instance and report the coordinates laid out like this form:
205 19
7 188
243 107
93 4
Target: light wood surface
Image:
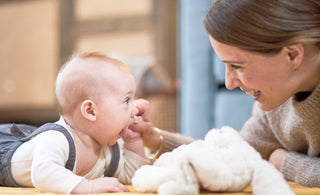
298 189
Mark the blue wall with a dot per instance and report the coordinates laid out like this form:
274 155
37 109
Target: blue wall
204 102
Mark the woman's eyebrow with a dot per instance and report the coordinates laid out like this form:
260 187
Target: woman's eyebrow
232 62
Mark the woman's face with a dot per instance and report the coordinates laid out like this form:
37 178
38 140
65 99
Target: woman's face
267 79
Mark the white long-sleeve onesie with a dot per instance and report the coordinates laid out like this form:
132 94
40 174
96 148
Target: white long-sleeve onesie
40 163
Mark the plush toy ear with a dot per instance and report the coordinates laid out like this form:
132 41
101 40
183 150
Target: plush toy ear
148 178
186 182
178 180
267 180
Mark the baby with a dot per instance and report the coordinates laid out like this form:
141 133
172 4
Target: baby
95 97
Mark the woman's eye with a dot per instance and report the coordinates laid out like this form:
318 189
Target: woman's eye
235 66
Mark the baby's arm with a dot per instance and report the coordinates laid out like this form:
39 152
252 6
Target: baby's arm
133 141
49 174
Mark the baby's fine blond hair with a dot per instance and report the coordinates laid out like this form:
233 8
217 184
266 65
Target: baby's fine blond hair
80 79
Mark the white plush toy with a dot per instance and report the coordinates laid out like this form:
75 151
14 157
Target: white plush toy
222 162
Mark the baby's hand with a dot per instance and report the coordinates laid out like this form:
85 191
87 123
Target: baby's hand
132 139
131 136
107 184
99 185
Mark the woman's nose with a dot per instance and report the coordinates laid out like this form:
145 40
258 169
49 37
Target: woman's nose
231 81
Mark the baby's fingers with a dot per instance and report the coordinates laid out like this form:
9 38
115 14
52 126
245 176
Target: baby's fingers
118 188
137 119
108 184
129 134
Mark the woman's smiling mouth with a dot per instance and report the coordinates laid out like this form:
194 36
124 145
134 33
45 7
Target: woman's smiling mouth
252 92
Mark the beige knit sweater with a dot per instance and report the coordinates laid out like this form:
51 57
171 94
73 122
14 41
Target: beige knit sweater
294 126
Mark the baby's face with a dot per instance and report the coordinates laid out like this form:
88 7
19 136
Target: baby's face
115 110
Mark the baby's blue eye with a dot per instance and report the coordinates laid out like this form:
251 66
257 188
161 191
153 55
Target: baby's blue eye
127 101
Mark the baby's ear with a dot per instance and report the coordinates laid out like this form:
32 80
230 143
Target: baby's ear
88 110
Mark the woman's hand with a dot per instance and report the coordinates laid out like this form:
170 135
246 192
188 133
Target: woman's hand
151 138
277 156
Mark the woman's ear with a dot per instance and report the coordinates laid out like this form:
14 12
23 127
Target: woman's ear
295 55
88 110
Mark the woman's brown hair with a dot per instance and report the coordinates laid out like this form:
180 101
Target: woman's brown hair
264 26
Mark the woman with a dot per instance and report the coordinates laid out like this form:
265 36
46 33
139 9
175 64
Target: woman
271 50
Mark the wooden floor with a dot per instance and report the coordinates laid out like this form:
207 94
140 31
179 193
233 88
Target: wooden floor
298 189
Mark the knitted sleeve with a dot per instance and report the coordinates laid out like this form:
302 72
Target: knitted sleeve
173 140
258 134
302 169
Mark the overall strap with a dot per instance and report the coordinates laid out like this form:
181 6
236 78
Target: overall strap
114 161
21 130
53 126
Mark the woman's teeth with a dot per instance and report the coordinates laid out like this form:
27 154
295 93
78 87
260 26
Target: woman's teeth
252 92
